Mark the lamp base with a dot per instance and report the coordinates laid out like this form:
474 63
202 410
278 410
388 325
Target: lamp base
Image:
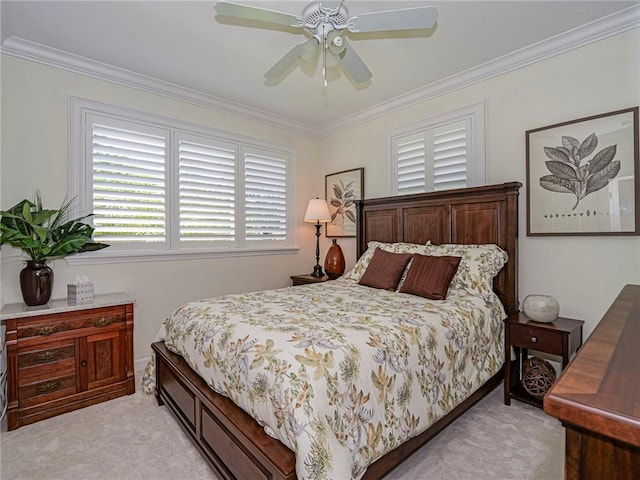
317 270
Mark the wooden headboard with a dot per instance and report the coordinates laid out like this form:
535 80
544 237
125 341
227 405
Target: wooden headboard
476 215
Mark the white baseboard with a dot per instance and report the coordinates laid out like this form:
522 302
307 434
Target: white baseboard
140 363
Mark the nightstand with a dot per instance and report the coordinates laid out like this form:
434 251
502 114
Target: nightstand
305 279
562 337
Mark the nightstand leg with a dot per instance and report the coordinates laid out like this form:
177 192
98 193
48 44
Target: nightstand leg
507 369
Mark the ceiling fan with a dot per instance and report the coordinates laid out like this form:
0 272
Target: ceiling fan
326 23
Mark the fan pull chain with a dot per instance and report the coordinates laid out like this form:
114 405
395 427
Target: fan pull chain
324 55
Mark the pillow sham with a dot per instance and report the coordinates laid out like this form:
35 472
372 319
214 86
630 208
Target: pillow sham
479 265
429 276
362 263
385 269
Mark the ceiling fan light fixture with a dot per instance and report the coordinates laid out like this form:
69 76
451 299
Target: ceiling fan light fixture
335 42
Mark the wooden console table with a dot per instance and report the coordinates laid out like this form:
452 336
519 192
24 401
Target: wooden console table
597 397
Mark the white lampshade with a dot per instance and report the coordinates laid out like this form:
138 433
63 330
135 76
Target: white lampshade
317 211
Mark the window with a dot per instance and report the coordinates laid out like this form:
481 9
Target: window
207 191
157 186
439 154
128 198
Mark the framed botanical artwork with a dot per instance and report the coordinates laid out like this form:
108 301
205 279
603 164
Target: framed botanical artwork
342 189
583 176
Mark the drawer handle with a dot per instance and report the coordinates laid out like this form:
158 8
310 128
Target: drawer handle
47 330
103 322
46 356
534 339
48 387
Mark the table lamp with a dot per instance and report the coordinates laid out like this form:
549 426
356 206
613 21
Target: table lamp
318 213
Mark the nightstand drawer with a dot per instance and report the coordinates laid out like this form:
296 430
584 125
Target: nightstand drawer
535 339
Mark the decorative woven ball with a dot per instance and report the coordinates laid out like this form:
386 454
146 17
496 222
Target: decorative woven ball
537 376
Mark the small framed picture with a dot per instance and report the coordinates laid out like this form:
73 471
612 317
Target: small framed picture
342 189
583 176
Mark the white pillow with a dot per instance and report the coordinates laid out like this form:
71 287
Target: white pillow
479 265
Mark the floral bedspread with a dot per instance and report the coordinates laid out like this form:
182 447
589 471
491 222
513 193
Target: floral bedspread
340 373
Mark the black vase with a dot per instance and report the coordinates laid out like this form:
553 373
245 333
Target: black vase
36 281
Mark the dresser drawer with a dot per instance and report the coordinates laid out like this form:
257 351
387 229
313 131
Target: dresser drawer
532 338
46 327
34 391
46 358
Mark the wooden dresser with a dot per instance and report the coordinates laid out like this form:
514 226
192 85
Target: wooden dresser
597 397
62 357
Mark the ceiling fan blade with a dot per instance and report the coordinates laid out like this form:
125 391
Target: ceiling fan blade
309 49
406 19
254 13
286 62
354 65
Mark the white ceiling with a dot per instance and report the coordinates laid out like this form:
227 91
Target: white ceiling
184 43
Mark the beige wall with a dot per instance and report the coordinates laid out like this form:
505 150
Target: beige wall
584 273
35 102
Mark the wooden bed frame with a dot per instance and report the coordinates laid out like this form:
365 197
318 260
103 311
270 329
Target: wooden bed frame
234 444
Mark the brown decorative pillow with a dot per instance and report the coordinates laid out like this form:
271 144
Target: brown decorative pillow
385 269
430 276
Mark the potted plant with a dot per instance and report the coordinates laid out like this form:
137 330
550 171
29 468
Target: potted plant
43 235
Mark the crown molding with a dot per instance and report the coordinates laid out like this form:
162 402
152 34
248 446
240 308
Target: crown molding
600 29
53 57
597 30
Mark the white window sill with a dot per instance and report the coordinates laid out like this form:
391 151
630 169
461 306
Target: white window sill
155 256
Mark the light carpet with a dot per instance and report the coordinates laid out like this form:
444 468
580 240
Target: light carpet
132 437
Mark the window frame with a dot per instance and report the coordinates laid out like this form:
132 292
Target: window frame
476 169
80 179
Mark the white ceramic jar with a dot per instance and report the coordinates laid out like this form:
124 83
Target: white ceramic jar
541 308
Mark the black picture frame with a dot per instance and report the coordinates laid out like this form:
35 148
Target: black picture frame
583 176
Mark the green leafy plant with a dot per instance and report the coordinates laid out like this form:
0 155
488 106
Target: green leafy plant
343 199
44 234
570 175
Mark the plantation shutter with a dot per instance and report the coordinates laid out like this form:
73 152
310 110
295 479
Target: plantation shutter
207 190
129 184
265 196
450 156
410 164
431 159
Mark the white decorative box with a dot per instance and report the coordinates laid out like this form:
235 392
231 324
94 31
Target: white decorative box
80 293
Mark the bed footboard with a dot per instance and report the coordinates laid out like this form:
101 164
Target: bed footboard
231 441
236 446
